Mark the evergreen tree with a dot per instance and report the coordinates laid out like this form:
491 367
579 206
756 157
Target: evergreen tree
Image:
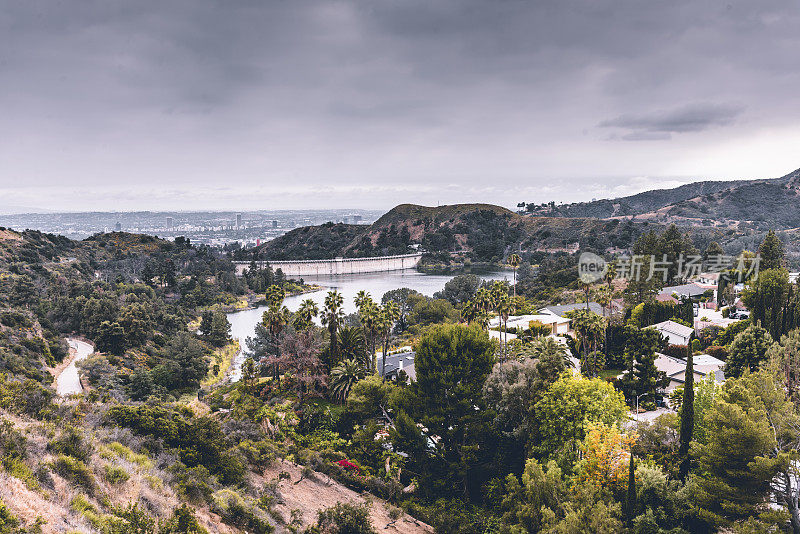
687 416
771 252
206 323
452 363
147 274
748 350
111 338
643 377
220 330
713 249
766 297
630 504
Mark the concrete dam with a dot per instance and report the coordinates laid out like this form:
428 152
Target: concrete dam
336 266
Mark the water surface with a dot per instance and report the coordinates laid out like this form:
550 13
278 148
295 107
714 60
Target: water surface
243 323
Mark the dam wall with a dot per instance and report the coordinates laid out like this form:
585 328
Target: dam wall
294 269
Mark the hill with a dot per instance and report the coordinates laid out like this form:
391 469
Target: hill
479 233
744 204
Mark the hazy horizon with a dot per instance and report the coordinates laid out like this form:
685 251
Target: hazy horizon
205 105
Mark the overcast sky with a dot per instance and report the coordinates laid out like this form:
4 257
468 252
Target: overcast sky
197 104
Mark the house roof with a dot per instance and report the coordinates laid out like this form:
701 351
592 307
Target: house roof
689 290
670 365
561 309
523 321
393 364
671 327
707 359
673 366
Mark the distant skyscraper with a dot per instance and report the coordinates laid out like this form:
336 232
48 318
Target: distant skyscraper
356 219
169 223
274 224
118 227
238 220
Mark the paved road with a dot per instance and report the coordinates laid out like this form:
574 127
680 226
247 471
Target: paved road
68 381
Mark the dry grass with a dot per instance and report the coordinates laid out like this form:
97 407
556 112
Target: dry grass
311 495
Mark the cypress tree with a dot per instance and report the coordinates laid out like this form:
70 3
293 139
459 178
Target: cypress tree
631 500
687 416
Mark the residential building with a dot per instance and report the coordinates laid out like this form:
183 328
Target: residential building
676 333
558 325
702 365
402 361
561 309
692 290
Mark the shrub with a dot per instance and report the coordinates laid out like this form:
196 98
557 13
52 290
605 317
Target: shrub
71 443
236 511
197 440
182 521
19 469
118 450
27 397
718 352
194 484
344 518
75 471
676 351
115 475
9 523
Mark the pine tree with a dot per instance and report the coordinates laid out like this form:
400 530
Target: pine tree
687 417
631 500
771 252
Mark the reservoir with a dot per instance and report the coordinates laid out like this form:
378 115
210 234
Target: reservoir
243 323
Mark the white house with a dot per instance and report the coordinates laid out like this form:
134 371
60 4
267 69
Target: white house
558 324
676 333
702 364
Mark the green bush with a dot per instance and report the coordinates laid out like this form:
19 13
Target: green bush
9 524
344 518
193 484
197 440
238 512
115 475
71 443
75 471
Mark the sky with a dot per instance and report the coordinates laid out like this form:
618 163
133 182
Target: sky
198 104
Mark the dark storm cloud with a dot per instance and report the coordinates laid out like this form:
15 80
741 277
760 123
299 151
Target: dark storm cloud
383 100
660 124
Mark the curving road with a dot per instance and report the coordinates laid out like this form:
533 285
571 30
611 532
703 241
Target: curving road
68 382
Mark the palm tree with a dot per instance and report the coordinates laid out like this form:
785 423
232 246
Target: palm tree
603 295
362 298
514 261
389 314
275 295
501 302
275 319
589 326
304 317
352 345
544 347
369 313
332 314
344 376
